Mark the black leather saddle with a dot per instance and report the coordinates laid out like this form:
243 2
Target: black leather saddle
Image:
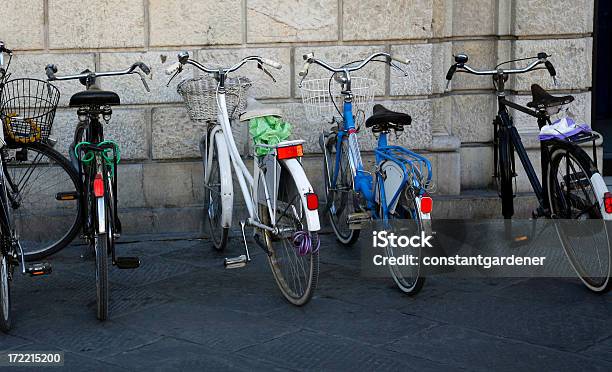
541 99
94 97
383 120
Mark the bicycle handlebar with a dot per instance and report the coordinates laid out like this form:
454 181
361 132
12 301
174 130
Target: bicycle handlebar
310 59
51 70
462 66
183 59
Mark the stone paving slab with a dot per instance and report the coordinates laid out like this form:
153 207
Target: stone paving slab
182 310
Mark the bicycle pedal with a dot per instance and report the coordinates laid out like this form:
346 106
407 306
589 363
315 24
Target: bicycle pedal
235 262
357 219
66 196
127 262
38 269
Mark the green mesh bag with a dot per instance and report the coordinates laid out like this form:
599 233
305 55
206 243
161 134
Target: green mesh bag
268 130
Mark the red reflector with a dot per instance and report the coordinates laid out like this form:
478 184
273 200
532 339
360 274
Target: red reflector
608 202
289 152
312 201
98 186
426 204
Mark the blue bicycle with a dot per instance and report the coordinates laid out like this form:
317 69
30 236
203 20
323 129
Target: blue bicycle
397 189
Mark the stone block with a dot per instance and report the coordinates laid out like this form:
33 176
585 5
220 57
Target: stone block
263 86
131 89
128 127
96 24
179 181
442 18
387 20
572 59
476 167
290 21
447 172
205 22
553 17
22 25
474 17
472 117
175 136
420 69
482 55
33 66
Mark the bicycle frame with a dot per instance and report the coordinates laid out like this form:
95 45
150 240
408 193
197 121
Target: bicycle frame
249 184
363 181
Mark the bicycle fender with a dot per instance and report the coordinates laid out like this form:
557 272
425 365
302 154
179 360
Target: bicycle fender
304 187
225 174
600 189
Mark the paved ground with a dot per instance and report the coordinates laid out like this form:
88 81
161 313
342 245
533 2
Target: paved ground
182 310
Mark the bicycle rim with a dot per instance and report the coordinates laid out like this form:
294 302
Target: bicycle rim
45 206
5 295
409 278
213 204
295 275
572 196
341 200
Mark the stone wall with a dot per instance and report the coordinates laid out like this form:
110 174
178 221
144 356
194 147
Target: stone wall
159 142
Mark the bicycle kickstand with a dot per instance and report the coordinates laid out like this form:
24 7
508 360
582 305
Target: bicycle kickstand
243 259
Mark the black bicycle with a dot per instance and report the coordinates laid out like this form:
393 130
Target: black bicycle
573 187
27 107
96 160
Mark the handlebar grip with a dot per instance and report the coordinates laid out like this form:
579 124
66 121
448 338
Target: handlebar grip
173 68
550 68
451 72
50 71
304 70
271 63
401 60
144 68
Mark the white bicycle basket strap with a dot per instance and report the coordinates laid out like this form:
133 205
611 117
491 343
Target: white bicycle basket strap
200 97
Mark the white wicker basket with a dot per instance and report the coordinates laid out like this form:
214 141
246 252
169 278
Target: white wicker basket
200 96
319 104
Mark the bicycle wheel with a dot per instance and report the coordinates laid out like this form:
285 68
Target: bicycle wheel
505 174
44 192
212 199
296 275
575 189
341 200
409 278
102 244
5 295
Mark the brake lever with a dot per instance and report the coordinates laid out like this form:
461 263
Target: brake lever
144 81
396 66
446 89
555 81
260 66
173 76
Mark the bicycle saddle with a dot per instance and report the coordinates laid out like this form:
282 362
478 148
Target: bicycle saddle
541 99
383 119
94 97
256 109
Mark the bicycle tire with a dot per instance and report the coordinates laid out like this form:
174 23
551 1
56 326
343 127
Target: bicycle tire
213 208
5 295
347 201
505 155
54 174
585 178
288 195
409 210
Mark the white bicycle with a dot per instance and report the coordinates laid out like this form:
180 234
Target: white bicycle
281 203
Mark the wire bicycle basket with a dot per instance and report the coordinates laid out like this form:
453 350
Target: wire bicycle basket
27 109
200 96
320 105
